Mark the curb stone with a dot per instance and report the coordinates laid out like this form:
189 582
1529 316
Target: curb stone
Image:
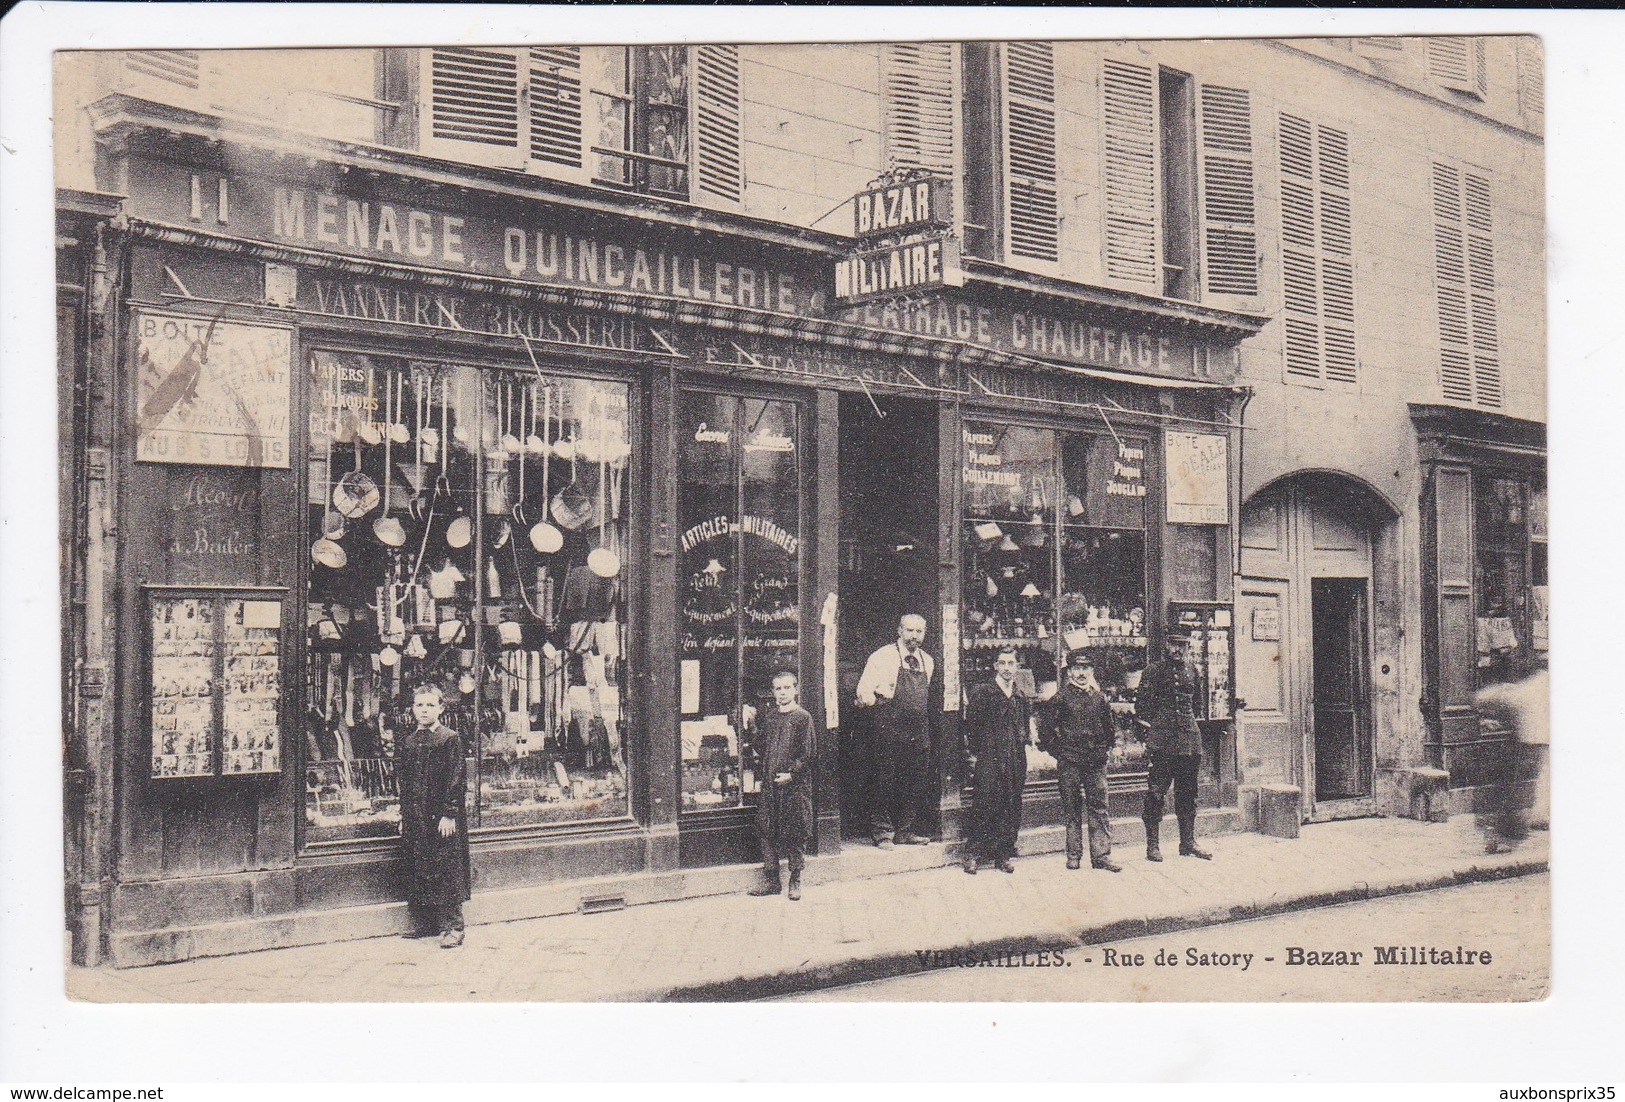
892 965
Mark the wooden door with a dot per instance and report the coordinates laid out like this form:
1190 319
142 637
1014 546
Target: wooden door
1267 744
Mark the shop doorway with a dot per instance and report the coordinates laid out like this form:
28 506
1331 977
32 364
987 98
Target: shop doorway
888 567
1341 700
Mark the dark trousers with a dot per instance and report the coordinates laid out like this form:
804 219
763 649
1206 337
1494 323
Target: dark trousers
781 827
899 775
433 916
1083 792
1179 770
995 814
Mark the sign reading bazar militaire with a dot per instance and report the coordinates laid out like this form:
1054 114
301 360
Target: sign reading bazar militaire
211 392
912 206
1198 486
898 269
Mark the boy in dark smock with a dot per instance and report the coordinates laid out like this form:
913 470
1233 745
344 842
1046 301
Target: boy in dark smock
998 726
434 822
784 811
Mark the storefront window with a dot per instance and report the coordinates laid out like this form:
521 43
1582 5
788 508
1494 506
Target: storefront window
740 504
468 529
1501 580
1054 554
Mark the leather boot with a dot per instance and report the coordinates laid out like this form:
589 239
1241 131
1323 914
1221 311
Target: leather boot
795 885
1153 850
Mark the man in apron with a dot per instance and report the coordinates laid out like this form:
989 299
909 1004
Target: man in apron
895 688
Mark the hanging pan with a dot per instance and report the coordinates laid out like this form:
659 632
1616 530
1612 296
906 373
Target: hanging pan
544 537
387 528
571 507
356 495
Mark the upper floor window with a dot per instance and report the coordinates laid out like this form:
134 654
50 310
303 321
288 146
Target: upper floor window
1531 81
1177 183
1458 64
659 120
1464 283
1317 252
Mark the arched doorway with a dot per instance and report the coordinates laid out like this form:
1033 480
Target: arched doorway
1317 571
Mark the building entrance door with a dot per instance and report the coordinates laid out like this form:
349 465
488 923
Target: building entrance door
1266 746
1341 696
889 532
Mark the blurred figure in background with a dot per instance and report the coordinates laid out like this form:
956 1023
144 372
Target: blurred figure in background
1519 796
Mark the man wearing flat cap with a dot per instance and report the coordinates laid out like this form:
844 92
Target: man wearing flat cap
1076 729
1165 706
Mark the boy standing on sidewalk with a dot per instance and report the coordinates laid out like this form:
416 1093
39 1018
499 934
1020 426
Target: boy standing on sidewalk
784 810
434 821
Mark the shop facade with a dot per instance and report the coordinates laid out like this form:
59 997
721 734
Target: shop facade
597 474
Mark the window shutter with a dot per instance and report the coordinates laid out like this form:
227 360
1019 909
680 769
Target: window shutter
1130 190
919 83
1531 81
472 108
1458 64
555 105
1229 220
1035 224
1464 278
1317 246
178 67
719 168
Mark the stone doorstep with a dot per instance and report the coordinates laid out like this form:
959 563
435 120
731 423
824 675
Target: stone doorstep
856 861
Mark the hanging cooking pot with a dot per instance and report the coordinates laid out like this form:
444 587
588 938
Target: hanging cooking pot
326 552
415 647
356 495
508 634
465 684
603 562
459 533
389 656
450 631
571 507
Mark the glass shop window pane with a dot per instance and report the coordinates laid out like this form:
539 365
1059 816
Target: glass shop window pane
394 478
770 557
708 665
554 685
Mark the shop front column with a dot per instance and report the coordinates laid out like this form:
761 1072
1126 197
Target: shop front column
826 573
659 751
949 759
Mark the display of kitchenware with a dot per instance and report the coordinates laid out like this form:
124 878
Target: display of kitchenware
450 631
511 444
465 684
459 432
415 647
356 494
571 507
534 442
389 656
368 431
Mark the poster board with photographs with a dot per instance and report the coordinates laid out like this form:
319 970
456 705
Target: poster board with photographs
215 682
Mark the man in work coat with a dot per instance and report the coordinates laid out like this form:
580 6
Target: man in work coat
1165 706
1076 729
998 726
895 688
434 822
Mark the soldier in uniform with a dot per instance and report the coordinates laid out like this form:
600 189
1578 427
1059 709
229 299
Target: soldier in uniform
998 727
1076 729
1165 706
895 689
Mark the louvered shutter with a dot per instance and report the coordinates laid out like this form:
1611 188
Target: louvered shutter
1317 248
1128 111
1229 220
719 167
1531 82
1458 63
177 67
554 73
1029 81
919 118
1464 281
471 106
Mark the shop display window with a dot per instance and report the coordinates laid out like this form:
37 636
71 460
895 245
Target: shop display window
1501 583
739 584
1054 560
468 528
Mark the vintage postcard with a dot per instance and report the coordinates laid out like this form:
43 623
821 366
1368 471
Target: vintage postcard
1042 519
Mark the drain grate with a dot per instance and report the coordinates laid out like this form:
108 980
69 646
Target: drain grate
596 904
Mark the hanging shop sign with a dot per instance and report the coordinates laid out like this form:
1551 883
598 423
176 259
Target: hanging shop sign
905 207
211 392
1198 486
892 270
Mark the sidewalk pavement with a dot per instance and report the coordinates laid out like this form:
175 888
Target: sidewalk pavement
738 947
